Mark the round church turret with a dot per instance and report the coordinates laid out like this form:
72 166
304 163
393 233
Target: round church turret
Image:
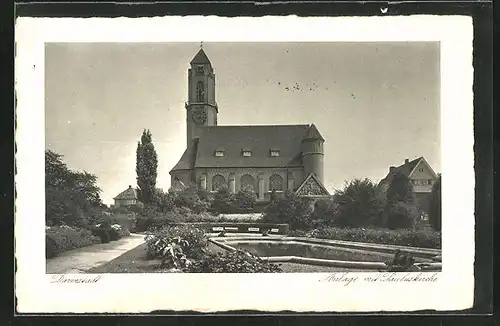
312 153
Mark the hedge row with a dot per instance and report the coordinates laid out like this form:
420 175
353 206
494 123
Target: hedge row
63 238
156 222
425 238
59 239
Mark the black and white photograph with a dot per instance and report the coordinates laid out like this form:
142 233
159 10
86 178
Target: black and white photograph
245 158
284 157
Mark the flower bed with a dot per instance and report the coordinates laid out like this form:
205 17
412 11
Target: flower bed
59 239
238 261
414 238
184 248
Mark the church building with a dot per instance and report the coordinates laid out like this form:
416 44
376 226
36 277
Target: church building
260 158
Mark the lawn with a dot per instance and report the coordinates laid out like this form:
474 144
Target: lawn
132 261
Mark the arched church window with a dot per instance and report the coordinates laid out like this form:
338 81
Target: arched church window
276 183
200 92
218 182
247 183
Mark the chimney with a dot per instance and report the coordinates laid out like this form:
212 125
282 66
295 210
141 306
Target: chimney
392 169
129 187
407 161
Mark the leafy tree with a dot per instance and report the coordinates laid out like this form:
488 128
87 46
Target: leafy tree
401 216
359 204
435 205
401 203
164 201
71 196
291 209
146 168
192 197
400 190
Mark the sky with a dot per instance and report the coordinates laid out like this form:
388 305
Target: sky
375 104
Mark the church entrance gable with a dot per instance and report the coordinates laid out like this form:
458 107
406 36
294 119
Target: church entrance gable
312 187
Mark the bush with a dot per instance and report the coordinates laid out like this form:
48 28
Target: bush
233 262
359 204
102 234
63 238
402 216
299 233
108 232
414 238
51 249
223 201
291 210
325 213
197 241
245 200
192 197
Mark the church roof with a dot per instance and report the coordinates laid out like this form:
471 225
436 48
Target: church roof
313 133
188 158
129 193
200 58
259 140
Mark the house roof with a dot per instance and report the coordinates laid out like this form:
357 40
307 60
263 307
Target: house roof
406 169
200 58
129 193
258 139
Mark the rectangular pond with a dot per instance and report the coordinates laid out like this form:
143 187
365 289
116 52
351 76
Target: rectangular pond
307 250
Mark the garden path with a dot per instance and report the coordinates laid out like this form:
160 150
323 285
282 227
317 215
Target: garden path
82 259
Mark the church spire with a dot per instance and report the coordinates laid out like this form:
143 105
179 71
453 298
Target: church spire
201 58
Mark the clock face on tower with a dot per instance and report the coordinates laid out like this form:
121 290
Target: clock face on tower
199 115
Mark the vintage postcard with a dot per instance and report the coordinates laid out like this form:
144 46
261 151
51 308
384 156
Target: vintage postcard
213 164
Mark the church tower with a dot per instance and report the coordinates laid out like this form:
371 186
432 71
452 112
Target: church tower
312 153
201 108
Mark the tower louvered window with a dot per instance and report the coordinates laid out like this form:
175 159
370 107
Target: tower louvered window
200 92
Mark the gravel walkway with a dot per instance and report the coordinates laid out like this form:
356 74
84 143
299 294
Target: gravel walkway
82 259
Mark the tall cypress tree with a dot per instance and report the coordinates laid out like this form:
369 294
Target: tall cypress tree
435 205
400 190
146 168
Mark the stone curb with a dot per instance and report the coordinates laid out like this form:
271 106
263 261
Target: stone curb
327 262
423 252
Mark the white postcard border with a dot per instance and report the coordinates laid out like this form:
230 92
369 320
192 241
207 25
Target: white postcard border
132 293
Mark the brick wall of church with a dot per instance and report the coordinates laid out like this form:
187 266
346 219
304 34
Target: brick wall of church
185 176
233 178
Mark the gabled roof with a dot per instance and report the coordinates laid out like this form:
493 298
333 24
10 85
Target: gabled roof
311 186
129 193
258 139
200 58
406 169
188 158
313 133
